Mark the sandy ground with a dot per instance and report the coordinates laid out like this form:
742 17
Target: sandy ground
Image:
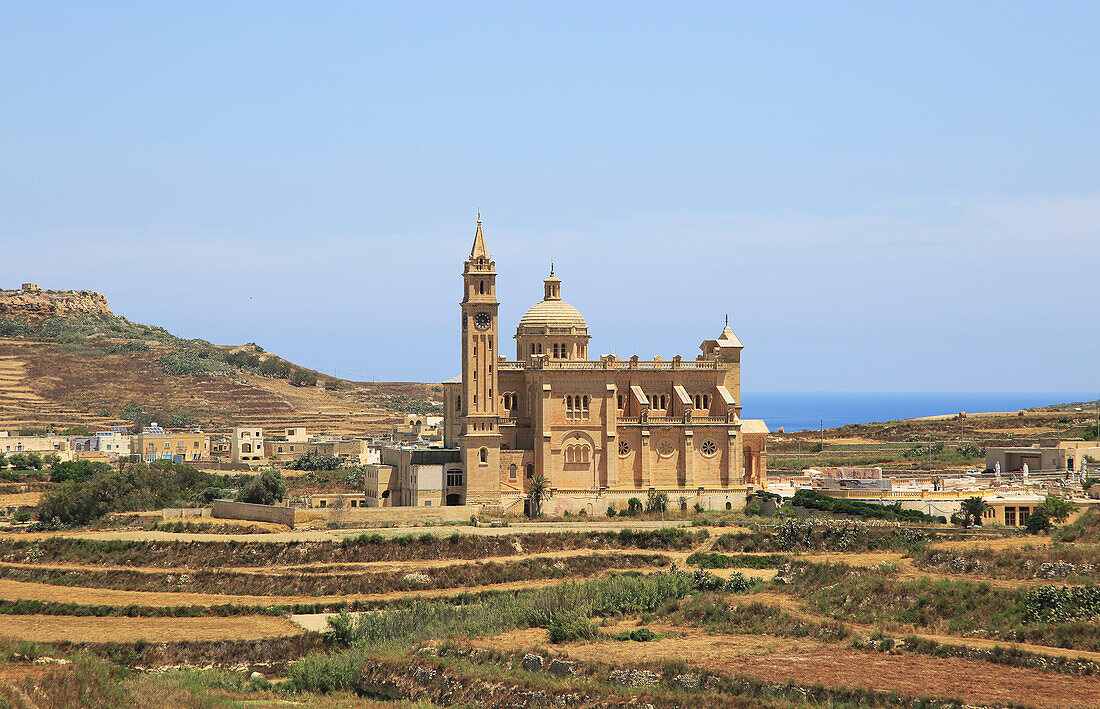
17 590
807 661
22 499
48 628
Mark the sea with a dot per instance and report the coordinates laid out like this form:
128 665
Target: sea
806 411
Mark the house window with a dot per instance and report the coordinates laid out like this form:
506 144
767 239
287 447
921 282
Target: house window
454 477
512 471
1010 516
1025 514
483 455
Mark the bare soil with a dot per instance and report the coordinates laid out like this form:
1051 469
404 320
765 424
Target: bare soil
806 661
52 628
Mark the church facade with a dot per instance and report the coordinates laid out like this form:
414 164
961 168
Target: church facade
599 431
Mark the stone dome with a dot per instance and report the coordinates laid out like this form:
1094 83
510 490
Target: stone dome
553 313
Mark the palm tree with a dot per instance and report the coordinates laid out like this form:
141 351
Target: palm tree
537 491
973 508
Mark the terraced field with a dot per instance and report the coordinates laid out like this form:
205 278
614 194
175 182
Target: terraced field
782 617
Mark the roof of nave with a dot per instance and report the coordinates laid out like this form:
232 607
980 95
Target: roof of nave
553 313
754 426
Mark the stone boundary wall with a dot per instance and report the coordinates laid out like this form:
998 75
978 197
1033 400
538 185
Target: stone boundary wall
360 516
227 509
597 503
341 516
174 512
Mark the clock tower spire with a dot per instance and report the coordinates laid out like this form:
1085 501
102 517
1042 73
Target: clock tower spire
480 435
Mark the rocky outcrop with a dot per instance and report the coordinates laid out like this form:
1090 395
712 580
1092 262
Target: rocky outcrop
35 305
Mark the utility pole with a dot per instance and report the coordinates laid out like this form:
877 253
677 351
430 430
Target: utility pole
822 435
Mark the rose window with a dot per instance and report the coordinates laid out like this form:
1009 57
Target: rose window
665 448
709 447
624 447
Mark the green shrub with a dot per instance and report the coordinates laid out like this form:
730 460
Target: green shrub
817 501
266 489
656 502
633 506
572 627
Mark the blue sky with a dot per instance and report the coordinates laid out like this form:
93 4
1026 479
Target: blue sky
882 195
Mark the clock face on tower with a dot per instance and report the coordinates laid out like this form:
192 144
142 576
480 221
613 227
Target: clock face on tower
482 321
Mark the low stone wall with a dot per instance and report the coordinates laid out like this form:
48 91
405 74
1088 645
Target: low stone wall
597 503
341 516
174 512
227 509
367 516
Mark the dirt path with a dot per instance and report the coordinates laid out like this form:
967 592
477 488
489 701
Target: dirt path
810 662
51 628
23 590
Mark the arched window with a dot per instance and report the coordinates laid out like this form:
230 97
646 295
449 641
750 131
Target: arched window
482 288
706 401
483 455
532 348
583 458
620 402
555 350
584 407
512 471
664 402
530 471
540 348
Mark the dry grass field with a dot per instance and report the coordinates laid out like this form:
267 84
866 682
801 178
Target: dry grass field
800 622
52 384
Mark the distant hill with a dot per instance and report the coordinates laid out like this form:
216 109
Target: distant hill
66 360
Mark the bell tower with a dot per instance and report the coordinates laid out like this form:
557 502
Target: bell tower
480 435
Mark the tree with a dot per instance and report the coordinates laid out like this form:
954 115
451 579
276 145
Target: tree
266 489
303 378
656 501
633 506
51 460
538 491
972 509
78 470
1056 509
1038 522
3 461
26 461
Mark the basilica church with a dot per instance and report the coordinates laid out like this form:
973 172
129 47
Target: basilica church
599 431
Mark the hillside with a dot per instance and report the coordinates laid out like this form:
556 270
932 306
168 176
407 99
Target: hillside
67 361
